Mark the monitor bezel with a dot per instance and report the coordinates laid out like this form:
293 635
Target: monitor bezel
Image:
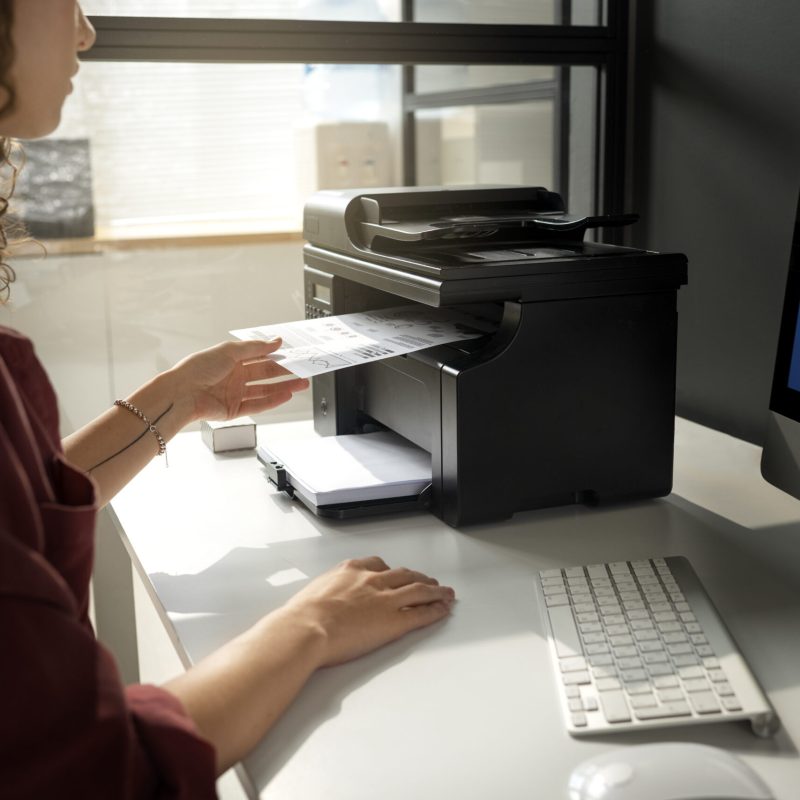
785 400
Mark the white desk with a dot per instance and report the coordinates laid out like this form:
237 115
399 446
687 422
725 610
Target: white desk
467 708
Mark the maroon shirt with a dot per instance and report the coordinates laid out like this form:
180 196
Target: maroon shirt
68 727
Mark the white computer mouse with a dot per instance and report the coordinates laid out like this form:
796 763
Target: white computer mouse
666 771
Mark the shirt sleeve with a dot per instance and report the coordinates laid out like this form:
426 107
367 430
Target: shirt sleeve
70 729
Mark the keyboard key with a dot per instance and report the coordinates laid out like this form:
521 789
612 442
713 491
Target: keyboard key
550 573
711 662
676 709
590 703
572 664
572 691
576 704
619 568
620 641
579 720
615 707
678 649
717 675
638 687
590 627
606 684
643 701
590 616
556 588
626 651
597 571
638 614
574 572
688 616
664 616
693 627
633 662
696 685
731 704
602 660
565 634
675 638
670 695
642 625
652 646
723 689
584 608
669 627
704 703
604 672
646 635
635 675
686 660
613 619
691 672
659 657
593 638
617 630
576 678
704 650
666 681
596 649
660 669
557 600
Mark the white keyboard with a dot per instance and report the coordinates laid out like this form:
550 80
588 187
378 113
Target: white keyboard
638 644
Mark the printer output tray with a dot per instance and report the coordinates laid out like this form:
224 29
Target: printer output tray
351 476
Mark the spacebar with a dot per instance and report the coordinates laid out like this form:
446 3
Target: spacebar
667 710
565 634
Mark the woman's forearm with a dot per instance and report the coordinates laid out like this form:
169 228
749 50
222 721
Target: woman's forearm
118 444
237 694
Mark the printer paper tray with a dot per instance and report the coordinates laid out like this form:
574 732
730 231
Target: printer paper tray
351 476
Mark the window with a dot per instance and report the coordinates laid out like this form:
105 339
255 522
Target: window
254 104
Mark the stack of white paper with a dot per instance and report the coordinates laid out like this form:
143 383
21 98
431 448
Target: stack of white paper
330 470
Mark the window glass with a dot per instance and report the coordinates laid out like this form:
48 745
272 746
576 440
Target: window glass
476 76
353 10
517 12
548 139
489 144
185 149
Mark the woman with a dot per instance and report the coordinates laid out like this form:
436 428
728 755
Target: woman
68 728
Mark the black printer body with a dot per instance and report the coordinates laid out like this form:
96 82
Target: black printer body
570 399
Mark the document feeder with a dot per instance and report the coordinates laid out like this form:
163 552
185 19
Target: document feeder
571 399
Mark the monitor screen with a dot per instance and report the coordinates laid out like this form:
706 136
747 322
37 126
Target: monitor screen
780 462
786 382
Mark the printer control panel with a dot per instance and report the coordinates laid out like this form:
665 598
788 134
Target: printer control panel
318 292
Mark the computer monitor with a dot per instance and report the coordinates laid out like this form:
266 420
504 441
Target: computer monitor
780 462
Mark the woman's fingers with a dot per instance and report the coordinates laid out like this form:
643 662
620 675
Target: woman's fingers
372 563
401 576
263 370
415 594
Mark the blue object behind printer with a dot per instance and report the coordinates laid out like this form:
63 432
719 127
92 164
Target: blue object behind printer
570 400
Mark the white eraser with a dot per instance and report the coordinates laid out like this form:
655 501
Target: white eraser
232 434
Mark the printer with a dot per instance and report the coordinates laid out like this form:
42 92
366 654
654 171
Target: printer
569 398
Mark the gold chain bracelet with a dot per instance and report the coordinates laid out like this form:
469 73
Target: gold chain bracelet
162 445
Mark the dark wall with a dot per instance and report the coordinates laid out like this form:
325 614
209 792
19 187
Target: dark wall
716 175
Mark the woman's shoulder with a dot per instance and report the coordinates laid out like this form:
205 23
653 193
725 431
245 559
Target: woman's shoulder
15 346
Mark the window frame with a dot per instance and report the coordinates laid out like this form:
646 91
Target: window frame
407 43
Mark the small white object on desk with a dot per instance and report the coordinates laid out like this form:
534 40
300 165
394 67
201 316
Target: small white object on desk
232 434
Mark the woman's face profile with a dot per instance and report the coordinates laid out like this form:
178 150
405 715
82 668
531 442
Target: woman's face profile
47 36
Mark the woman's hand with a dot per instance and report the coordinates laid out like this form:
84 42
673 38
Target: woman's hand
219 381
363 604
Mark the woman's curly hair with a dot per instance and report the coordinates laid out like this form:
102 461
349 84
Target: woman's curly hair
8 169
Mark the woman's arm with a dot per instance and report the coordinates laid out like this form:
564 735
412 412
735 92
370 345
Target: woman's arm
237 693
213 384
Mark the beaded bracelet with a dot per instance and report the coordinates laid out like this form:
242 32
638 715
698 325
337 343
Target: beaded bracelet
162 445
